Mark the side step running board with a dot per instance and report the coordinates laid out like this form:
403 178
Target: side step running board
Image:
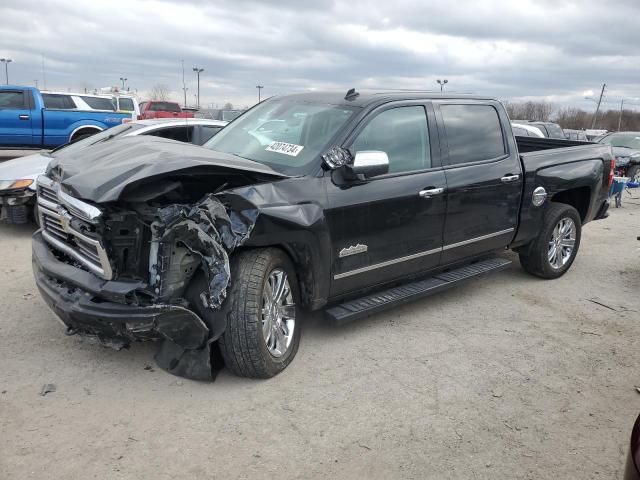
377 302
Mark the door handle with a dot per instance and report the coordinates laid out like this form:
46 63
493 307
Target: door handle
430 192
23 117
509 178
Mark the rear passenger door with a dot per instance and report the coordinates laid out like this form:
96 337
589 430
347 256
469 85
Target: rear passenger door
484 178
15 118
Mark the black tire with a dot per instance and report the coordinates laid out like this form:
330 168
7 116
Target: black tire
242 345
633 172
535 258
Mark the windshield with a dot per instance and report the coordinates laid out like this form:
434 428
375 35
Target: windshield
283 134
98 137
555 131
622 140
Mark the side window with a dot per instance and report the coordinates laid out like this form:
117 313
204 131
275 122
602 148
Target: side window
12 100
403 134
98 103
207 132
520 131
474 133
57 102
126 104
181 134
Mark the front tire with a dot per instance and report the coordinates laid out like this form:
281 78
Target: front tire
262 327
552 253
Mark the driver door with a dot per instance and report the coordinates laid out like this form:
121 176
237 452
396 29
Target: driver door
387 227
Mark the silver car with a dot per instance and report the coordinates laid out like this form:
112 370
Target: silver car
18 176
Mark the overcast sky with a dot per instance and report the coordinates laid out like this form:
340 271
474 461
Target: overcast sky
516 49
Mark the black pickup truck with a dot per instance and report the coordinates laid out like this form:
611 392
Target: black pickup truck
351 203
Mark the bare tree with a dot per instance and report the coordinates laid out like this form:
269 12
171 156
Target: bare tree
579 119
540 111
159 91
228 106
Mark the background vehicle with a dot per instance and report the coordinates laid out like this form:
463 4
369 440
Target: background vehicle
578 135
29 118
525 130
548 129
593 135
226 115
626 149
18 176
162 109
126 103
357 202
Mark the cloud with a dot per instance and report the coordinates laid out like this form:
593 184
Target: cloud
526 49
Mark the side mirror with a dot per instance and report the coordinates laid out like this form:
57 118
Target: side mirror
370 163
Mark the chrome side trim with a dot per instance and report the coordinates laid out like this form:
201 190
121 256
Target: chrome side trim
421 254
478 239
386 264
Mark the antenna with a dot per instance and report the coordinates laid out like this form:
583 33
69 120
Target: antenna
351 94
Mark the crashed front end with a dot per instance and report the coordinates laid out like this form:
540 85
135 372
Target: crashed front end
118 272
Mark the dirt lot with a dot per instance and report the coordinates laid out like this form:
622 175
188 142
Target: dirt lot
508 377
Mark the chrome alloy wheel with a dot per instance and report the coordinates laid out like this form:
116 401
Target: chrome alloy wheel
278 313
561 244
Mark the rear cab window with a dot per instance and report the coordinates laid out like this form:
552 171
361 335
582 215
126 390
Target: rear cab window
474 133
54 101
164 107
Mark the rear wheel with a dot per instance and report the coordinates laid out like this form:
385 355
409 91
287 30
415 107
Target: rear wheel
262 329
552 253
633 172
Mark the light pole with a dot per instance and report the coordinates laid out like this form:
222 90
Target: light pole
6 62
620 117
198 72
259 87
595 115
184 86
123 80
442 83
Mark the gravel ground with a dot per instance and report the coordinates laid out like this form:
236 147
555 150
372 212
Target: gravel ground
507 377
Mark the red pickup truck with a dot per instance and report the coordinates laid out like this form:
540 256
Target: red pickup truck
162 109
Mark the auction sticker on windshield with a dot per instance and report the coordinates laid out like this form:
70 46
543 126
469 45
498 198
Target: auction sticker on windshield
290 149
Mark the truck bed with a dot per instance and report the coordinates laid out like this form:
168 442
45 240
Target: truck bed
533 144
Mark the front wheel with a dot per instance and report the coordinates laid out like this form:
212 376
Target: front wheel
551 254
263 330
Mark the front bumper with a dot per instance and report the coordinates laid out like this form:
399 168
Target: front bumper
102 309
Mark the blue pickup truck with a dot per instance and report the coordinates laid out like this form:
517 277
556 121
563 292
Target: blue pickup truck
27 119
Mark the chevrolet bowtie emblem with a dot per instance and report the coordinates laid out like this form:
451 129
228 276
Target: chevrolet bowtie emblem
353 250
65 218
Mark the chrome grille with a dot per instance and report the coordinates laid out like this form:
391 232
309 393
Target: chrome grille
57 212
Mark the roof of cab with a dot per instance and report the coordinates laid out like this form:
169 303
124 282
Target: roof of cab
366 98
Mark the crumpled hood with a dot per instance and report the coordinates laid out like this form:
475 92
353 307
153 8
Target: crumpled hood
30 166
101 172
